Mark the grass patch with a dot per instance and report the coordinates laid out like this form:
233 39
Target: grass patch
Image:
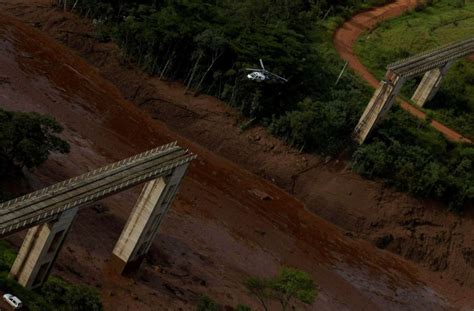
440 23
7 256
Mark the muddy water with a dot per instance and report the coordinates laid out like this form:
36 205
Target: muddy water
219 230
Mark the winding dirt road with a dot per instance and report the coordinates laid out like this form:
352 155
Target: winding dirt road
346 36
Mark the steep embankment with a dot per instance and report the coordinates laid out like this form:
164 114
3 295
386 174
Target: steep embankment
418 230
346 36
225 225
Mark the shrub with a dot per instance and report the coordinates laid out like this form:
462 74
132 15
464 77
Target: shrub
289 285
27 139
324 127
206 304
78 297
83 298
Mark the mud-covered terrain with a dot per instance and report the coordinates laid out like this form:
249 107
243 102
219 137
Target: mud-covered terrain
227 223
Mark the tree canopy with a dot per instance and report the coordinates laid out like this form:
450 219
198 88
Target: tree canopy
27 139
288 286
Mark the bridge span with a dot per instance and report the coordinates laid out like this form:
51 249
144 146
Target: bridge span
49 213
434 65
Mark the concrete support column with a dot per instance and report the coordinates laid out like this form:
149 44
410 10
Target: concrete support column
430 85
378 106
40 250
143 224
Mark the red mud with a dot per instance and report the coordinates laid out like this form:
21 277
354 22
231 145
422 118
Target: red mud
220 230
346 36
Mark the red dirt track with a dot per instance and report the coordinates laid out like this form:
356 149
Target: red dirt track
346 36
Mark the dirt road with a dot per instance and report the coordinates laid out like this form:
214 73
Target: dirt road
346 36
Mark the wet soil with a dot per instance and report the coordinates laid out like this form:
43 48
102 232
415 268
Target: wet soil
221 229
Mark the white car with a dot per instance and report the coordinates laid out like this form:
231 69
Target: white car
13 301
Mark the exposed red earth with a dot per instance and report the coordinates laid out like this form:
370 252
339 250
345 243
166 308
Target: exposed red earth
221 221
346 36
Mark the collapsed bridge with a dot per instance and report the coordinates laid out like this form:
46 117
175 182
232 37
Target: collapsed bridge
49 213
433 64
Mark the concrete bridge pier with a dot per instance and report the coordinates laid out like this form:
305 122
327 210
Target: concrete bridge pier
143 224
430 84
40 250
378 106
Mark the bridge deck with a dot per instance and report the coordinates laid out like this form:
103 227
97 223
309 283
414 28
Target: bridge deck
427 61
44 205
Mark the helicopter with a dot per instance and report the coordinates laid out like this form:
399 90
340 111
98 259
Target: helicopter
260 75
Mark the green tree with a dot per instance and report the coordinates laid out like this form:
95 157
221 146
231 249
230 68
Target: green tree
206 304
63 296
293 284
83 298
27 139
289 285
261 289
324 127
242 308
54 291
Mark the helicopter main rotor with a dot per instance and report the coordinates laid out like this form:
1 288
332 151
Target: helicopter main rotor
263 74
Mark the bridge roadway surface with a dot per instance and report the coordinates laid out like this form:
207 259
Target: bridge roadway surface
346 36
45 205
429 60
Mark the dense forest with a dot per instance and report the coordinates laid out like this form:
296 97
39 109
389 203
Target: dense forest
208 44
